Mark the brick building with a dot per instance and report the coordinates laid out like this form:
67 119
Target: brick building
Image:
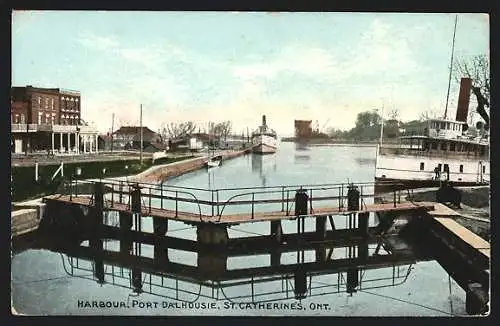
49 119
303 128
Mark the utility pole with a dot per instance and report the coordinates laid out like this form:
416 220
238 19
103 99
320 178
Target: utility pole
112 130
141 134
382 126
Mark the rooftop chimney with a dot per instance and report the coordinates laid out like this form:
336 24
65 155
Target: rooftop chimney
264 120
463 99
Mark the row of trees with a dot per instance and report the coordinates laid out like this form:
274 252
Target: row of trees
369 123
185 129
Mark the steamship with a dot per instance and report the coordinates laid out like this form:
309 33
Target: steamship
264 139
447 150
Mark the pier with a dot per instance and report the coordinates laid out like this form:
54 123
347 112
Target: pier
78 217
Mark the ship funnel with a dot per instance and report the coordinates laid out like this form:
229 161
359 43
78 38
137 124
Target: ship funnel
463 99
264 120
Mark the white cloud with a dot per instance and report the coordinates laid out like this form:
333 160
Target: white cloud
295 58
98 42
382 52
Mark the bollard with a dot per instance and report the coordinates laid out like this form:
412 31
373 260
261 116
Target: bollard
136 199
301 199
98 203
352 198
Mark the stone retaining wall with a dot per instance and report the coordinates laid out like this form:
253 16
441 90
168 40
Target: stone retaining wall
164 172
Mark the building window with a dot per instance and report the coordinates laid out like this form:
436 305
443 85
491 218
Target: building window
446 168
39 118
52 104
434 145
443 146
421 166
46 102
16 119
439 167
461 168
52 120
452 146
39 101
484 168
23 119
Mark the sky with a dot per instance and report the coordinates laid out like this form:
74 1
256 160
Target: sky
215 66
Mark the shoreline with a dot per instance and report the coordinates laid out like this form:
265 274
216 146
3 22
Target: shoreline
162 172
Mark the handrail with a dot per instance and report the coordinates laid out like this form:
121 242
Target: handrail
165 193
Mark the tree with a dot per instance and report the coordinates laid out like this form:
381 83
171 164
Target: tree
368 124
221 129
394 114
426 115
477 68
177 130
225 128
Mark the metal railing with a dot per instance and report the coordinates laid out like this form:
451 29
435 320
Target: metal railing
227 201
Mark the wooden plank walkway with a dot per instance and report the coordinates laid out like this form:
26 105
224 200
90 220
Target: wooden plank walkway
442 210
466 235
243 217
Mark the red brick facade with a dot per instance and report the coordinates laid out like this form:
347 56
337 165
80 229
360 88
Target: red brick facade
45 106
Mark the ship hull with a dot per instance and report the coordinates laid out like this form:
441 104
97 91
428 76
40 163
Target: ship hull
264 144
384 185
409 172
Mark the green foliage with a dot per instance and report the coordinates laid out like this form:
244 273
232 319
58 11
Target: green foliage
368 124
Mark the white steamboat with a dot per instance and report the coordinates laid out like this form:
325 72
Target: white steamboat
446 150
264 139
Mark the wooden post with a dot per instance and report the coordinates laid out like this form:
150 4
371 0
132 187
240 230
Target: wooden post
320 227
212 234
276 231
363 223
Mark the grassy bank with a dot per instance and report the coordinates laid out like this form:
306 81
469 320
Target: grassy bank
25 187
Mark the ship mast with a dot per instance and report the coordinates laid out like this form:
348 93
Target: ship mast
451 67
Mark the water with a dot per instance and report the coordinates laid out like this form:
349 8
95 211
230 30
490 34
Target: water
52 283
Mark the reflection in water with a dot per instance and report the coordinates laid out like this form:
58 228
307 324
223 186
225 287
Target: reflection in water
302 155
298 269
262 165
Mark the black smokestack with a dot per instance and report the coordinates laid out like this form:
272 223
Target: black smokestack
463 99
264 120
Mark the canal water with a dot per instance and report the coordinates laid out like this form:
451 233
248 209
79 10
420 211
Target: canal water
51 283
